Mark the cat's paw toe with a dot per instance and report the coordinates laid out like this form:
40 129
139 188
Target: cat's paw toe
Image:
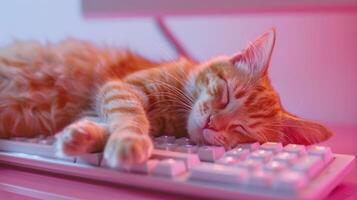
127 149
77 138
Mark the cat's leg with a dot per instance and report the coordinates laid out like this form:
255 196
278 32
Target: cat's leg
123 108
87 135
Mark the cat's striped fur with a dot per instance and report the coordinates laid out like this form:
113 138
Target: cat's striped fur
224 101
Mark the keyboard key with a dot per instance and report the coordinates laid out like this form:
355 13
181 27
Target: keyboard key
188 148
143 168
250 146
90 159
274 166
165 139
182 141
295 148
210 153
170 168
218 173
290 181
190 160
166 146
238 153
261 179
249 164
285 157
309 165
323 152
228 160
261 155
272 146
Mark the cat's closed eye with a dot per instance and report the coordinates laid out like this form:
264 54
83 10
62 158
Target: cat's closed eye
238 128
224 97
240 94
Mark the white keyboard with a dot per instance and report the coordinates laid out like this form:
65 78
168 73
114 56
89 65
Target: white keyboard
248 171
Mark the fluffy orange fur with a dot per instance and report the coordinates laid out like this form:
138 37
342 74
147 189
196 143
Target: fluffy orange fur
46 89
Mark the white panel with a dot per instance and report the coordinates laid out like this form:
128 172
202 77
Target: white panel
195 7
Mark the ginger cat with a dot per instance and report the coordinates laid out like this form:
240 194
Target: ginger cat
113 100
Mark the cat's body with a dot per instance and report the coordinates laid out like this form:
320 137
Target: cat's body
225 101
45 87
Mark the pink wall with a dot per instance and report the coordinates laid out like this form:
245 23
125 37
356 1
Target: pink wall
314 65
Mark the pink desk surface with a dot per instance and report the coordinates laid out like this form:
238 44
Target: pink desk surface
18 183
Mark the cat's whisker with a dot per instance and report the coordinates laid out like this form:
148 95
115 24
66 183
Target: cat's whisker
181 80
174 89
169 95
170 99
172 105
177 99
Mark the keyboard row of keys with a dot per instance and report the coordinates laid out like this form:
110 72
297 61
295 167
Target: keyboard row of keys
205 153
308 164
275 151
269 165
163 163
289 181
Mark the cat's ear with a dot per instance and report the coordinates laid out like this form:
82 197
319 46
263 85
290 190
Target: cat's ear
256 57
301 131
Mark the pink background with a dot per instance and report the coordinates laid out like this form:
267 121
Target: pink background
314 65
314 68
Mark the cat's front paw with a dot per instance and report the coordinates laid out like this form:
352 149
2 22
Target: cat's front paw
79 138
127 149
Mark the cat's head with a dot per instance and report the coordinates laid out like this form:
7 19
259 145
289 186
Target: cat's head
236 103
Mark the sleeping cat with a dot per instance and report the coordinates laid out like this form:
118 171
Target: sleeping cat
113 100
